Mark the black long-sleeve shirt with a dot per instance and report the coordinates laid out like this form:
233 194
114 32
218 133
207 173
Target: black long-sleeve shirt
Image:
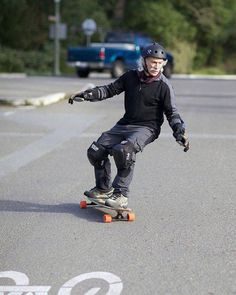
145 102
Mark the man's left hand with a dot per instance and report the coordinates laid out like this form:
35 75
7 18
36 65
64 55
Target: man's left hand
181 136
183 140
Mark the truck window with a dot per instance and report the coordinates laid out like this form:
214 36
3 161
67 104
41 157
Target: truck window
143 41
119 37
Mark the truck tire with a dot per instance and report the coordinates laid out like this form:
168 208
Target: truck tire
118 69
168 70
82 73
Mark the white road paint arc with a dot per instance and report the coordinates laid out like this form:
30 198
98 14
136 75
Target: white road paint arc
115 285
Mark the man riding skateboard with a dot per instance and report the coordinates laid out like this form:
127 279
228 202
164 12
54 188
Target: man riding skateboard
148 96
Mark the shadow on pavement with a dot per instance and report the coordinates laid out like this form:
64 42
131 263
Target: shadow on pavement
66 208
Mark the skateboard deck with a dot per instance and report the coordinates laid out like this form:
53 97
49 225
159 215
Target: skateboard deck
111 214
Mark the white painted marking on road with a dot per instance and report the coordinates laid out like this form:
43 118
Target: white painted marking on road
19 108
20 134
8 113
90 135
20 158
19 290
205 77
18 277
169 135
213 136
115 283
92 291
22 284
26 107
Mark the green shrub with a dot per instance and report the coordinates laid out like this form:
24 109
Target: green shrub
30 62
10 61
184 54
209 71
230 64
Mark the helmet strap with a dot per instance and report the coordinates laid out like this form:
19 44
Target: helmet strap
145 66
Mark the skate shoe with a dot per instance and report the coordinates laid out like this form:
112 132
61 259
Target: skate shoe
117 200
99 196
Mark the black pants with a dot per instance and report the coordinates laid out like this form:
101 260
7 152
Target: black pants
139 136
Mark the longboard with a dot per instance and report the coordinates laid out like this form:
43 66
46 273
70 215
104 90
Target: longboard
111 214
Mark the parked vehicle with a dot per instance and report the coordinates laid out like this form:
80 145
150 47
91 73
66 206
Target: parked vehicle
120 52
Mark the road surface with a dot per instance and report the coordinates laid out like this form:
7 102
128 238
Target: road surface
183 240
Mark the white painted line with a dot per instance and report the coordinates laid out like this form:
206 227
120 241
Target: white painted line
20 134
206 77
8 113
22 284
213 136
26 108
90 135
18 108
169 135
203 136
17 290
20 158
114 284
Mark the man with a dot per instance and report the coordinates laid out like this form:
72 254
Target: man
148 96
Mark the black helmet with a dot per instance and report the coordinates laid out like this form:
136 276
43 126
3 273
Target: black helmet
154 50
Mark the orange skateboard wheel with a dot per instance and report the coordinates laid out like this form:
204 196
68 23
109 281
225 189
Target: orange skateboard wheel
83 204
131 216
107 218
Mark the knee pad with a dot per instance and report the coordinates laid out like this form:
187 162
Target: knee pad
97 154
124 154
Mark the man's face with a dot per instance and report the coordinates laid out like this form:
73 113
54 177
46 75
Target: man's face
154 65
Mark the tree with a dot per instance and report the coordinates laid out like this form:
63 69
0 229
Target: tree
203 30
214 21
74 12
24 24
159 20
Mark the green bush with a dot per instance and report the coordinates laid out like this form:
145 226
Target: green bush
39 62
10 61
230 64
29 62
209 71
184 53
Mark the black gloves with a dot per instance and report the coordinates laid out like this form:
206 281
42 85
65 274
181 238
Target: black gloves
89 95
180 136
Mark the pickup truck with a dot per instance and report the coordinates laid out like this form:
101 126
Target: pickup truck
119 52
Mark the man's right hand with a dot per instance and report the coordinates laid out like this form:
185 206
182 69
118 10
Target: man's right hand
75 97
89 95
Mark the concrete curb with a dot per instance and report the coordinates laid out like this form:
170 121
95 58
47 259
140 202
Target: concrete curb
42 100
13 75
38 101
45 100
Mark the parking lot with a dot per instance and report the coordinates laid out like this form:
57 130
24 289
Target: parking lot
183 239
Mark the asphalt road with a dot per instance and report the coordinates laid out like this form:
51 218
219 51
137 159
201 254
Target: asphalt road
183 240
